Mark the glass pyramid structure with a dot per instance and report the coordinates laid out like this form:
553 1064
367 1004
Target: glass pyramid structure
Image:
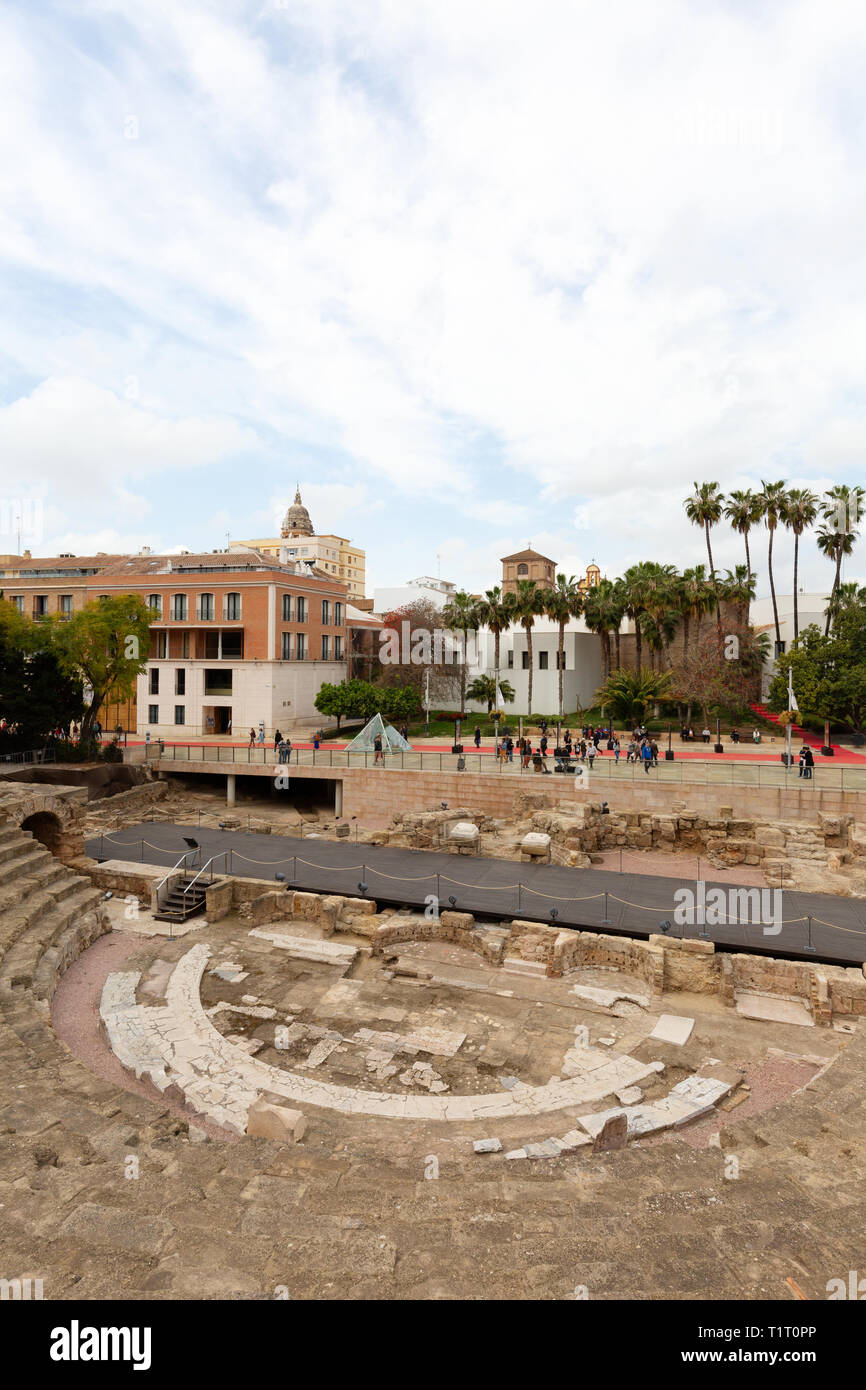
392 742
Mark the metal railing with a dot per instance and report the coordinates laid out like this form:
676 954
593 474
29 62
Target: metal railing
174 868
32 755
222 855
606 770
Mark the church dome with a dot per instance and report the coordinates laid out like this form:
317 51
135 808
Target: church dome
297 521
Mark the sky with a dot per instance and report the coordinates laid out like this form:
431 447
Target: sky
474 275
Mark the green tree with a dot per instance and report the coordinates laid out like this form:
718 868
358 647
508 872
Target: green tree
483 691
562 603
738 589
704 508
461 615
799 511
629 693
772 498
495 611
828 673
840 509
696 598
528 605
743 511
352 699
36 694
105 644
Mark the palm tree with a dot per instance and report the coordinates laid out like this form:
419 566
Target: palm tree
840 508
798 513
772 498
696 597
483 690
528 604
704 509
660 603
634 592
496 612
738 588
629 693
562 602
743 510
460 615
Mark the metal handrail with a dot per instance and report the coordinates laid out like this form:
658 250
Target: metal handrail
222 854
176 866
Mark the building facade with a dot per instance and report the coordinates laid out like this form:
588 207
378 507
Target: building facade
236 639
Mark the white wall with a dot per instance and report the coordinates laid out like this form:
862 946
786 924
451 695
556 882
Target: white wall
279 692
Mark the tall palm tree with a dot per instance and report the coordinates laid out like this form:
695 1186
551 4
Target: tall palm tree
696 597
798 514
562 602
460 615
528 605
634 592
496 612
704 508
743 511
660 603
603 610
840 508
772 497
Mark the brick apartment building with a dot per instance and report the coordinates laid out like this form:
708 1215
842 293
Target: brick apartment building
237 638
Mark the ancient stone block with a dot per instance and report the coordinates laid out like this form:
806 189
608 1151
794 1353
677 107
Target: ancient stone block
267 1120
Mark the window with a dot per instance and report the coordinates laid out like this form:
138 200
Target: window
287 608
522 569
525 661
287 646
179 682
40 605
338 649
780 648
18 600
326 647
218 682
233 607
153 714
302 646
161 646
302 610
66 605
180 714
510 662
233 645
326 612
153 686
184 646
154 601
338 615
205 607
179 608
542 661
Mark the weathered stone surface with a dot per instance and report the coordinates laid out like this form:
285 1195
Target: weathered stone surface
268 1120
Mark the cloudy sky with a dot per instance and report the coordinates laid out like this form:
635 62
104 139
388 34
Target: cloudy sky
473 272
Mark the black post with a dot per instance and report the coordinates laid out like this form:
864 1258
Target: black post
605 919
809 946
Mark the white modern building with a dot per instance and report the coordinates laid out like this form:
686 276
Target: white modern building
436 591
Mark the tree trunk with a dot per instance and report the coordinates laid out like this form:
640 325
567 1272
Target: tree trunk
528 631
748 556
559 659
835 587
713 578
773 593
796 564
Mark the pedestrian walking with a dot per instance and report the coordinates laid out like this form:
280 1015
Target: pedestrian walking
477 737
252 738
647 757
616 751
378 755
277 739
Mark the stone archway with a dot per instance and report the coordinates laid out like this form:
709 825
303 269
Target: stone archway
45 827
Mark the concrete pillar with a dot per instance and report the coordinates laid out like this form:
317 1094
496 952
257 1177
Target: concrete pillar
338 798
230 789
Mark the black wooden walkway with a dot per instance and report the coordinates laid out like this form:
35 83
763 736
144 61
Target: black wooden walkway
596 899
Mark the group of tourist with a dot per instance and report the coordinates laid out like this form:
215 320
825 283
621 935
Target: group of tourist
282 746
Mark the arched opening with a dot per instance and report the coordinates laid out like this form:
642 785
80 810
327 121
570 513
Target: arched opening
45 827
